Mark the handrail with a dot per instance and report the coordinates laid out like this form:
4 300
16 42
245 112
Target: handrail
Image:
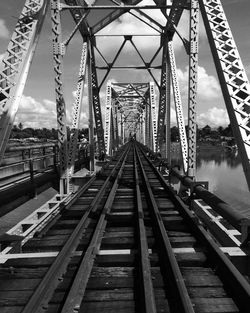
25 147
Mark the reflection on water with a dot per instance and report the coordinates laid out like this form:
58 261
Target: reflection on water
223 171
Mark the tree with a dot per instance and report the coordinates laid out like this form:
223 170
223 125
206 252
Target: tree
20 126
220 130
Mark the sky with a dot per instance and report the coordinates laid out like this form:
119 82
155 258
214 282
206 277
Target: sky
37 108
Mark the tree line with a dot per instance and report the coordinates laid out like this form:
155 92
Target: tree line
19 132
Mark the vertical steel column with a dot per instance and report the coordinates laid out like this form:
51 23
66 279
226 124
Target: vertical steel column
122 129
232 75
192 95
162 97
107 135
58 53
153 116
16 64
147 125
116 134
91 118
144 128
168 110
96 104
112 134
178 107
77 110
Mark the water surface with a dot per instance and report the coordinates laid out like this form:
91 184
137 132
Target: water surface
223 170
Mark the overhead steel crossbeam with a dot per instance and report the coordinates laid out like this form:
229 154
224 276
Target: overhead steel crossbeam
175 16
232 75
146 65
16 63
115 14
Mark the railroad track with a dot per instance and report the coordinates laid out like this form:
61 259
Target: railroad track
125 244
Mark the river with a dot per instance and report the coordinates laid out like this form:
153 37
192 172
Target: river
224 172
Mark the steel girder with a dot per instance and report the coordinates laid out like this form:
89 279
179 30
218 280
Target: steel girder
153 121
58 52
174 16
178 107
232 76
86 32
16 64
107 134
97 104
164 101
91 118
111 17
192 88
77 109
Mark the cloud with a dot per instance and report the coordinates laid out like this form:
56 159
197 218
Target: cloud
35 114
4 32
208 85
214 117
127 24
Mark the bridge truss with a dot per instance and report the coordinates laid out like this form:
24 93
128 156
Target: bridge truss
130 112
142 120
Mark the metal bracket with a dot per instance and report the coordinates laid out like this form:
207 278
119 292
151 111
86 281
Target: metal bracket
59 48
58 6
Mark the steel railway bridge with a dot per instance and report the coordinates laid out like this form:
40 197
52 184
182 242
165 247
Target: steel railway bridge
121 239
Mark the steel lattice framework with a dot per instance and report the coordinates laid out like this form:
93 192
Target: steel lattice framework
131 108
232 76
16 64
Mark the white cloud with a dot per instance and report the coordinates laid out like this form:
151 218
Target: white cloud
35 114
214 117
4 32
208 85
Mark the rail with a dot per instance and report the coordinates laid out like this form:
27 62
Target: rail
45 289
238 285
124 242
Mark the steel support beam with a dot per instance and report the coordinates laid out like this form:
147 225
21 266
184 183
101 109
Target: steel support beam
107 135
97 104
153 123
232 76
16 64
58 53
110 17
77 109
164 100
91 117
192 88
178 107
